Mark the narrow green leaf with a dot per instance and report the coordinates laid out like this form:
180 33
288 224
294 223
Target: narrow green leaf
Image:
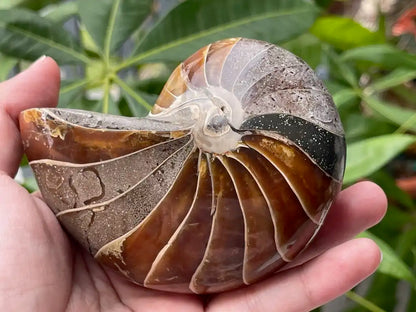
395 78
61 12
6 65
344 96
111 22
7 4
195 23
392 264
26 35
366 156
368 305
341 68
393 192
393 113
385 55
406 241
344 33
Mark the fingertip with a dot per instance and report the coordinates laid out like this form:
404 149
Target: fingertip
37 86
368 193
371 255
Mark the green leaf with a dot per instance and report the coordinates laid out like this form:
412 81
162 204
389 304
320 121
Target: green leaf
6 65
392 264
344 33
60 13
71 92
7 4
366 156
137 96
358 127
403 117
136 109
111 22
393 192
29 4
307 47
26 35
195 23
344 96
384 55
341 68
395 78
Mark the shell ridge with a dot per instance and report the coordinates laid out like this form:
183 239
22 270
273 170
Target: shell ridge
224 60
181 230
205 267
205 65
243 162
271 263
155 215
149 215
297 187
246 66
102 204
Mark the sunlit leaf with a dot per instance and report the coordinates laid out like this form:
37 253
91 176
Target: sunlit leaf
195 23
344 33
366 156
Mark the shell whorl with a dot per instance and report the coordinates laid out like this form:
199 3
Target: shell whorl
228 178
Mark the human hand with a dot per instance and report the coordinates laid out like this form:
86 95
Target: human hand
41 269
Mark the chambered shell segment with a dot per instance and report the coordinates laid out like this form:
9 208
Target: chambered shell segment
228 178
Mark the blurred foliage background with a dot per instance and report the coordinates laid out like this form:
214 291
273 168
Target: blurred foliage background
116 55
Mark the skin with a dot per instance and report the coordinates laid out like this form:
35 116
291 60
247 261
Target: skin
41 269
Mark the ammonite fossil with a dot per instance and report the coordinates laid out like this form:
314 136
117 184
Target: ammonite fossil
224 182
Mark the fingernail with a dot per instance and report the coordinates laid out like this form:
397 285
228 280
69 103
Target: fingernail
39 60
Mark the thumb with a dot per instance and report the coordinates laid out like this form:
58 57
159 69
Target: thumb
38 86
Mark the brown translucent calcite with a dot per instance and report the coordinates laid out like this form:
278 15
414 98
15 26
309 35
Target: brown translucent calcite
47 138
227 180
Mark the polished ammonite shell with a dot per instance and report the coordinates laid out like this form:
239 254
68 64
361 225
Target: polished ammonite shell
224 182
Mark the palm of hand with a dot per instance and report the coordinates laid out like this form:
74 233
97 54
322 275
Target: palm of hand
41 269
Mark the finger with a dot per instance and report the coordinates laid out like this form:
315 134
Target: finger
144 299
308 286
356 209
38 86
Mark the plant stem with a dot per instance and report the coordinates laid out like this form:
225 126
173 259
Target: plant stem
363 302
131 92
74 85
109 32
107 84
407 124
